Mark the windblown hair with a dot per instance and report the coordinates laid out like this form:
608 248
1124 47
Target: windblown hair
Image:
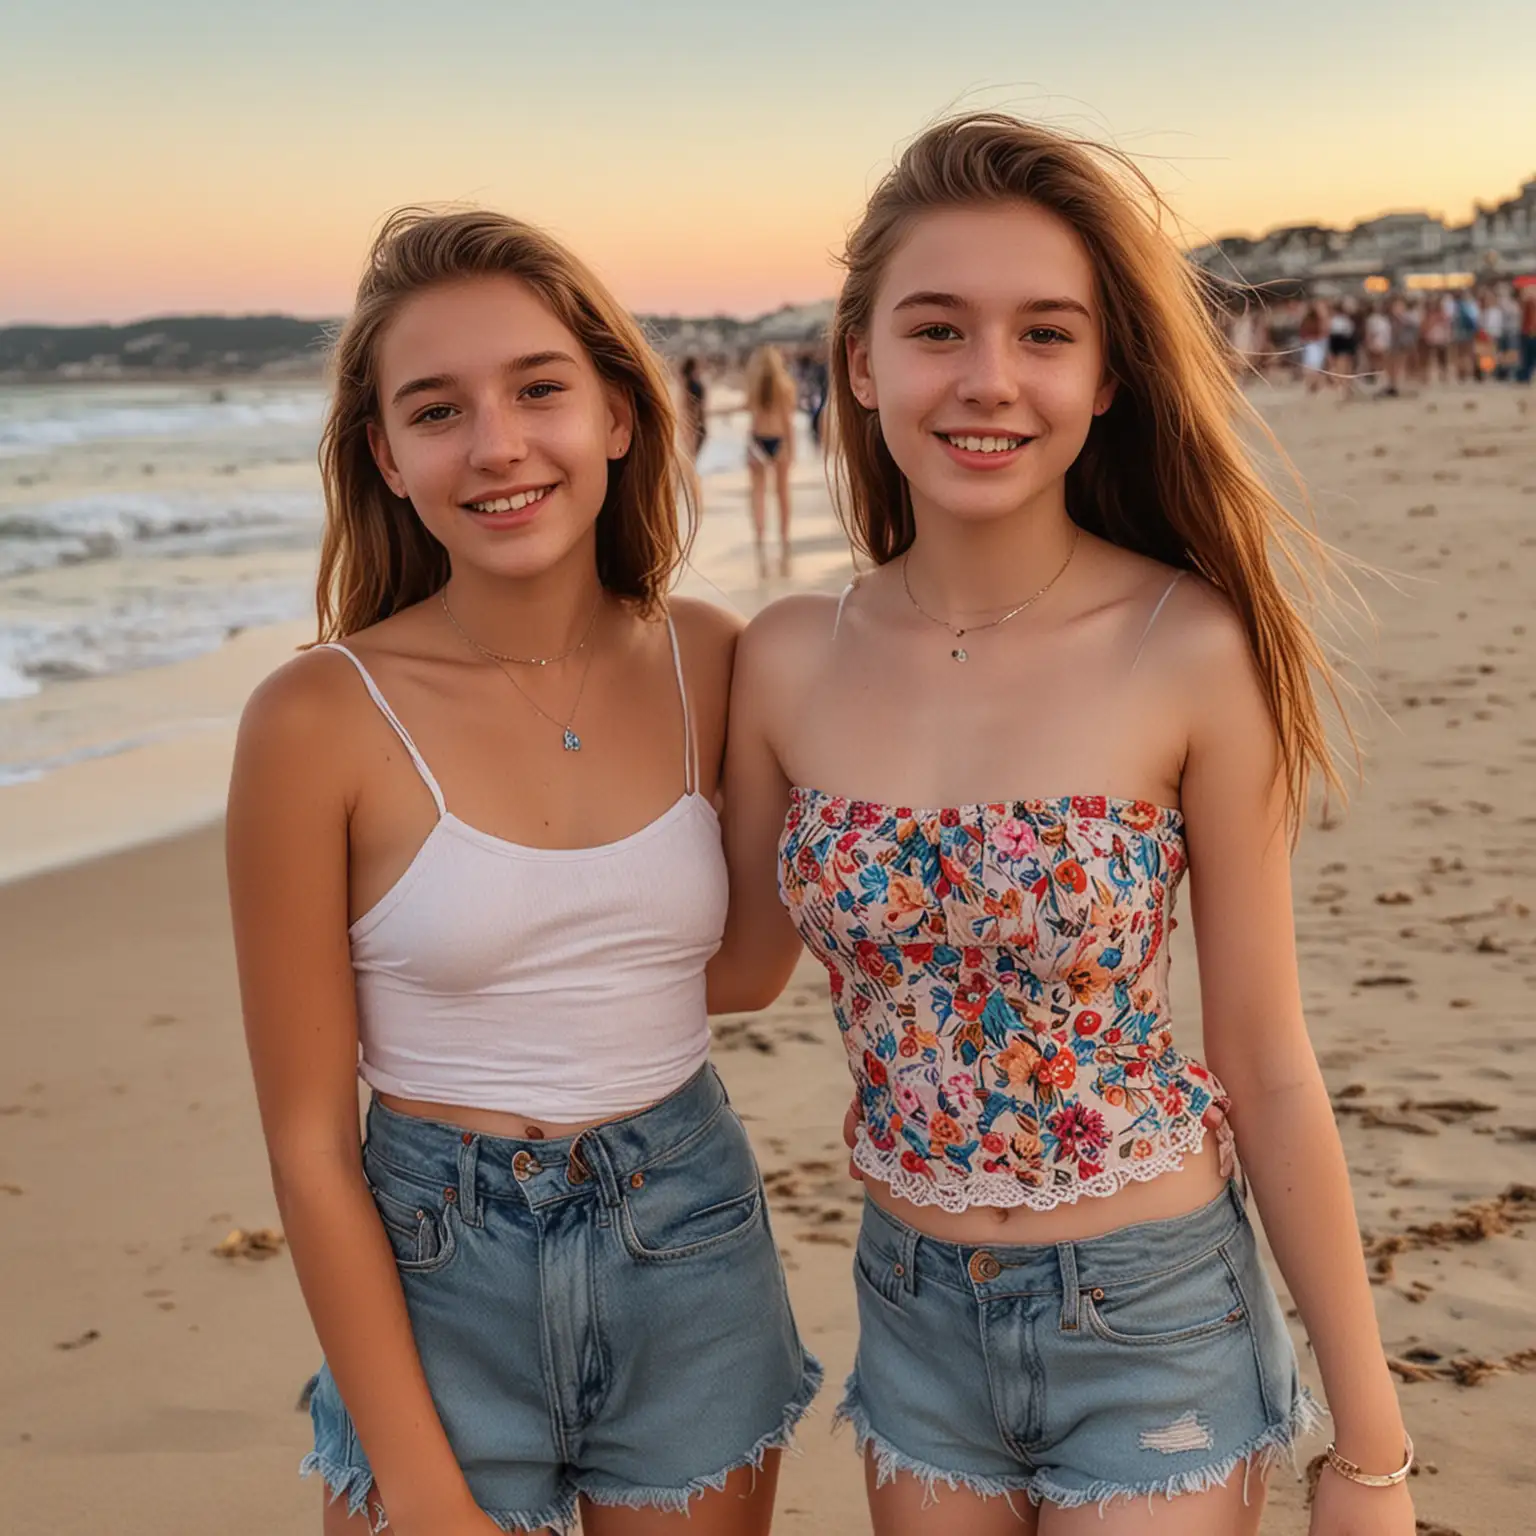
377 556
1164 471
768 382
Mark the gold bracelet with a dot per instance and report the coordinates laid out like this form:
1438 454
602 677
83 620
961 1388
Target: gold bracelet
1347 1469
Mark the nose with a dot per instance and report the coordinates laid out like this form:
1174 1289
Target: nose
989 380
497 437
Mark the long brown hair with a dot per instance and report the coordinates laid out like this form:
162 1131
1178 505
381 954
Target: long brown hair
377 556
1164 471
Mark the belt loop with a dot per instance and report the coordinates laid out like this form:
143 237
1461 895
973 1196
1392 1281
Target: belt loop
469 1187
910 1238
1066 1257
594 1153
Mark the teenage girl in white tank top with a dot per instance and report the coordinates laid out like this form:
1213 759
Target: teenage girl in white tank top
474 860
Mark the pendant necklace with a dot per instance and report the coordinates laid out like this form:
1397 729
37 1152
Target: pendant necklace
959 653
568 737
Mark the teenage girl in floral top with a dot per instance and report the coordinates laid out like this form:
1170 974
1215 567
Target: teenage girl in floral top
974 783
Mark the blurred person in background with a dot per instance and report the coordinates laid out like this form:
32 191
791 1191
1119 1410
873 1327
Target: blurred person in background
770 447
694 424
1378 346
1528 331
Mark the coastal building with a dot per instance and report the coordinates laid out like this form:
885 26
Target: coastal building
1497 243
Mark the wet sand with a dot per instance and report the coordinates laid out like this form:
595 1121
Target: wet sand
149 1386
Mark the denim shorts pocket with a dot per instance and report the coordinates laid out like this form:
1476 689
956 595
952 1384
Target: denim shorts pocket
415 1218
694 1197
1201 1298
877 1273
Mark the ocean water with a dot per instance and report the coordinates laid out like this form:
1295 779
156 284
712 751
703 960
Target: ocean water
129 516
145 524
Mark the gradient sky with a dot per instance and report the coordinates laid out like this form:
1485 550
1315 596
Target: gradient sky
169 156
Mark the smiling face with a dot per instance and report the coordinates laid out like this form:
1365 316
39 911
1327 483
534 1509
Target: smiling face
495 424
984 357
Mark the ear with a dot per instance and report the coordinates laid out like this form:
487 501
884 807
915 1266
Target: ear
1106 395
383 456
621 422
859 375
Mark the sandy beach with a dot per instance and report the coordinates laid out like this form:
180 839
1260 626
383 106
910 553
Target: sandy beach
148 1386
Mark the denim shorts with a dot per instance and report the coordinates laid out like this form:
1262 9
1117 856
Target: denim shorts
1152 1360
602 1315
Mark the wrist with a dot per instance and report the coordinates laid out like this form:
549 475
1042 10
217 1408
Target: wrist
1376 1445
1386 1470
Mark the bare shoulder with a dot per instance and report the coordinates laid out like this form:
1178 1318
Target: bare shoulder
705 625
305 709
791 627
706 637
1200 645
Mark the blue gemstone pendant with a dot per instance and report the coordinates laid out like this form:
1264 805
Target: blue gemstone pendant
572 740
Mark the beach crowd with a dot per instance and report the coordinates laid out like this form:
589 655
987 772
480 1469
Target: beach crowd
1467 335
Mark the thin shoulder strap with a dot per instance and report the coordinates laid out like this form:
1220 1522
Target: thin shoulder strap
394 720
837 623
690 746
1167 593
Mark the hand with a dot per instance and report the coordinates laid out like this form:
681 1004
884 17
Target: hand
1343 1508
851 1123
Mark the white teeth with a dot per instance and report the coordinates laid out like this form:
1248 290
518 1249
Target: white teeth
511 503
985 444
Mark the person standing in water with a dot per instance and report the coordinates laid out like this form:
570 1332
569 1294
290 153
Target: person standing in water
770 447
972 785
474 859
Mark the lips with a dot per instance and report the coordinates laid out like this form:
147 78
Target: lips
509 501
984 450
984 442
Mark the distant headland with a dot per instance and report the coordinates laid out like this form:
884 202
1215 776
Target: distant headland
283 347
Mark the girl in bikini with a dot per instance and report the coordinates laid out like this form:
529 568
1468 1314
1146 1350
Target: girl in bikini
770 447
972 786
474 859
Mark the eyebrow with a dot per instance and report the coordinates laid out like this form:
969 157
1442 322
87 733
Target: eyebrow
432 382
928 299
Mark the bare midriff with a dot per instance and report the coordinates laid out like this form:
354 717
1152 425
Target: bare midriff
1174 1193
495 1122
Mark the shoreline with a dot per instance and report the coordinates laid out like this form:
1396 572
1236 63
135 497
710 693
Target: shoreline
143 755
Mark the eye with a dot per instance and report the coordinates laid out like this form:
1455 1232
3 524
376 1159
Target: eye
430 417
938 331
543 390
1046 335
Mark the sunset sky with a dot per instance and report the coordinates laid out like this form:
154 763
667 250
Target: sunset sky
168 156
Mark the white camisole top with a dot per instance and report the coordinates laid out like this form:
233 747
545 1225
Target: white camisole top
559 983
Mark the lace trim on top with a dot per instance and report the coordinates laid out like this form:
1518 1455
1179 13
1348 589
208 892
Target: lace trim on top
1006 1192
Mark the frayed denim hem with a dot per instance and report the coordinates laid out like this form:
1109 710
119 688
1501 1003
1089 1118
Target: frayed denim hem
355 1482
1260 1455
676 1500
889 1460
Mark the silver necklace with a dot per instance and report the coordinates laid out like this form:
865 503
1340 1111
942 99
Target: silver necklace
960 653
568 737
525 661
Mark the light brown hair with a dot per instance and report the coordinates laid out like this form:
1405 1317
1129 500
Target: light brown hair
767 380
1164 471
377 556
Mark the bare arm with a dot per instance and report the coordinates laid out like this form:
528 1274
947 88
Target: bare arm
289 806
1257 1044
754 962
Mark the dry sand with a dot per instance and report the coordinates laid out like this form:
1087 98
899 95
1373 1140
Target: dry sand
148 1386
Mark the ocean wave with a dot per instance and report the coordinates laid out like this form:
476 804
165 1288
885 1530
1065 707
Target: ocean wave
35 536
148 629
71 420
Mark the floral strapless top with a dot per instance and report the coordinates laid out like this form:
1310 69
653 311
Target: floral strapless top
1000 977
